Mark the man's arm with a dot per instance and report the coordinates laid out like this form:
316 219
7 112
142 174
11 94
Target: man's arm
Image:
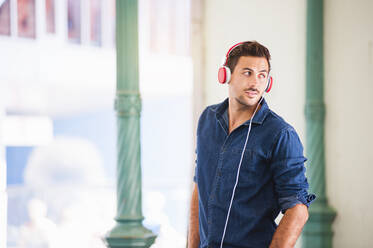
193 235
290 227
291 187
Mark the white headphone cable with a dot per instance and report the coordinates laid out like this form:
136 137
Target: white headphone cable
238 174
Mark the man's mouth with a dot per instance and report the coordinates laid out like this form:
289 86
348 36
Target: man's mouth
251 92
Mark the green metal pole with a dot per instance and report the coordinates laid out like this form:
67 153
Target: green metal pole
318 230
129 231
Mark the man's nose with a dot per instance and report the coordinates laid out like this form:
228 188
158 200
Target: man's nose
254 80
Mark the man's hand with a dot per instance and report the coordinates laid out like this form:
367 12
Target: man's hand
193 234
290 227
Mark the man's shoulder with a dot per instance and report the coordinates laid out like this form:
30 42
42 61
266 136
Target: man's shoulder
207 114
207 120
277 123
212 109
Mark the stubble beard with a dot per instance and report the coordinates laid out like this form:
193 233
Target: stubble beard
245 103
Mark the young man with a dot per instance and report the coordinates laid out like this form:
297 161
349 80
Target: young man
250 164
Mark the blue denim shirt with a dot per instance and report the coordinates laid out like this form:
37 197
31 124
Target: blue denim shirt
272 177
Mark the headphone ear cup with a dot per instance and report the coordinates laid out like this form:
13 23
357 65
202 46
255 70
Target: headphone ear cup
224 74
228 74
269 84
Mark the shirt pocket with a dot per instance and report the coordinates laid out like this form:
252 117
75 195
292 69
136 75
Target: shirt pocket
253 166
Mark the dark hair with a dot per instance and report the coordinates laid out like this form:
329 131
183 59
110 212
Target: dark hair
248 48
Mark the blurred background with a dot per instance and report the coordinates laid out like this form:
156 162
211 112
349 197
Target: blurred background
58 124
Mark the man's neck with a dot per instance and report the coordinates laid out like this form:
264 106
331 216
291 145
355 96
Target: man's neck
239 113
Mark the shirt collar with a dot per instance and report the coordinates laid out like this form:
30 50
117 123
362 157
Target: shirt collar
221 109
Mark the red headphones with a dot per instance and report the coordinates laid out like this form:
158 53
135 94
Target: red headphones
224 73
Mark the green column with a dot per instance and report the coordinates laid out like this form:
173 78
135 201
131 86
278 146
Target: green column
318 230
129 231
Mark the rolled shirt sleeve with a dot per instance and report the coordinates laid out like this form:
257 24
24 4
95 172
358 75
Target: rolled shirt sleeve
288 171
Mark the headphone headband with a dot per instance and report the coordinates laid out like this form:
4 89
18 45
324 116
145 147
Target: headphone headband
230 50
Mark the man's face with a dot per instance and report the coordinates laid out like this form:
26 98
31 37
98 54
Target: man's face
248 80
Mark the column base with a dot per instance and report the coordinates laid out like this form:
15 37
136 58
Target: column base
318 230
129 234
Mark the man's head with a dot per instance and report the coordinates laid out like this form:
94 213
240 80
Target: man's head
250 66
248 48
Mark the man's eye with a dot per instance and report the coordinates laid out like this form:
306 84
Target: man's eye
262 75
247 73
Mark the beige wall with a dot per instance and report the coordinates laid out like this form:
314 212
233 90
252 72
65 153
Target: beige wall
280 25
349 102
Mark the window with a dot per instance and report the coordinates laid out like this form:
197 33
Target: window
169 27
26 18
5 18
50 16
74 21
95 27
